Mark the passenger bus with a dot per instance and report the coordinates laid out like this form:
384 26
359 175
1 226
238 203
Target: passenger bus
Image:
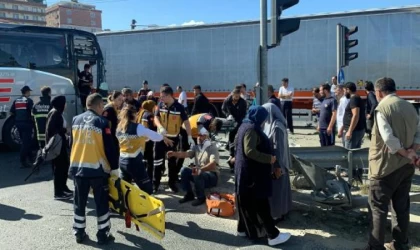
44 56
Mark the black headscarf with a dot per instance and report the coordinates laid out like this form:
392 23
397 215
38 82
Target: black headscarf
58 103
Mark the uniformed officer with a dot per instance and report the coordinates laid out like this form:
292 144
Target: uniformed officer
146 118
21 111
85 84
169 116
40 113
132 137
93 158
111 111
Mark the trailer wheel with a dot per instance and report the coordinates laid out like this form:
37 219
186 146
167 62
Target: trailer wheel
11 135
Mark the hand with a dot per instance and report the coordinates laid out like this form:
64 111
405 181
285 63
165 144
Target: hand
368 116
277 172
317 128
273 159
348 135
162 130
340 134
417 163
115 172
196 171
191 141
168 141
329 131
171 154
412 155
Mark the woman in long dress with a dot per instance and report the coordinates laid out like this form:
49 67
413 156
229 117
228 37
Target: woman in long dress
275 128
253 176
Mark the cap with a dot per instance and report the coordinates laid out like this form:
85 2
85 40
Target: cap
25 88
203 131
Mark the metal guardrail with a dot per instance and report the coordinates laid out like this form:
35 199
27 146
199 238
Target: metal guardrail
329 157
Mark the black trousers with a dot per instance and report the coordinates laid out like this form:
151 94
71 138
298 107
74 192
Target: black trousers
101 196
392 189
25 133
134 169
325 139
183 146
83 98
159 162
148 158
255 217
61 168
369 126
232 135
286 109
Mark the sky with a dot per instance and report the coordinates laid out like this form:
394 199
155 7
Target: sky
117 14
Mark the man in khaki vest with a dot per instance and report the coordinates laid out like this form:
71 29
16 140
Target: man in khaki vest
395 138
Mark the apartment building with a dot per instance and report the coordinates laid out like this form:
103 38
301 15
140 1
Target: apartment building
74 15
28 12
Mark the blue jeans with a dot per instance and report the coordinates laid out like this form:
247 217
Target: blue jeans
325 139
356 139
201 182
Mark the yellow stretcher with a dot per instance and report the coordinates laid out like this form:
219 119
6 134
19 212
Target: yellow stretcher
137 206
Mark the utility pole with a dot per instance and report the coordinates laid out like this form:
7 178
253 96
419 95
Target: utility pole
262 90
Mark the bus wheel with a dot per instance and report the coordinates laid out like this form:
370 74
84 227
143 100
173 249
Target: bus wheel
11 135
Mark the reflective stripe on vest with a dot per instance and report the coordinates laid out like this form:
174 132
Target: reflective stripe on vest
41 116
41 136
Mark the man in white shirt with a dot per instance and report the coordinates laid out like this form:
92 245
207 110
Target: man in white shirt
342 104
333 85
286 98
182 99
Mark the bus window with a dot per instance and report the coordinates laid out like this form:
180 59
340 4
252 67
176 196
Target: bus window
25 49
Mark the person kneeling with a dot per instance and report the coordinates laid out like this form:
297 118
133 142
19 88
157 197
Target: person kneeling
203 172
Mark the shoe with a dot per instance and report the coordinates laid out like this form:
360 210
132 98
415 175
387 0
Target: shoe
80 237
241 234
63 196
106 239
198 202
393 245
173 187
281 238
68 191
187 198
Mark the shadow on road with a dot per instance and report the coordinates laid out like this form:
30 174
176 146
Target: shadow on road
15 214
193 231
140 242
91 242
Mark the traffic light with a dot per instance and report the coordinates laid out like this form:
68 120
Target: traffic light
133 24
344 44
281 28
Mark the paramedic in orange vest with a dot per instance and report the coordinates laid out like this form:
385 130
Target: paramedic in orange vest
169 116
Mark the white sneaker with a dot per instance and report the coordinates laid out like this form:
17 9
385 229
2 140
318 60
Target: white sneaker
281 238
241 234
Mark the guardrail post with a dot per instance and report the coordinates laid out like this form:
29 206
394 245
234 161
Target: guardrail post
350 167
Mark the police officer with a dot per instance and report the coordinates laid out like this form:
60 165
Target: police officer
169 116
93 158
40 113
85 84
21 111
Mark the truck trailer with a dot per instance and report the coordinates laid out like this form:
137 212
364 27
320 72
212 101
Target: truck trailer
220 56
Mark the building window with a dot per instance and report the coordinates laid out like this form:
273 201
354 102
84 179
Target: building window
92 14
69 20
16 16
34 9
26 17
35 18
2 6
15 7
68 12
2 14
93 23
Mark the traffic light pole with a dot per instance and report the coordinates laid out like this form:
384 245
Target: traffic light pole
339 48
262 91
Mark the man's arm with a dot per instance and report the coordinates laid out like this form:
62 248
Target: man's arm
334 116
213 160
194 108
373 104
416 145
186 122
157 118
225 109
182 155
393 143
355 110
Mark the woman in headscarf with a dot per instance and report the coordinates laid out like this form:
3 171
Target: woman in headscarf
56 124
145 117
132 137
275 128
253 177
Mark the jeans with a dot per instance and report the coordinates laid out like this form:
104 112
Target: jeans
392 189
355 140
205 180
325 139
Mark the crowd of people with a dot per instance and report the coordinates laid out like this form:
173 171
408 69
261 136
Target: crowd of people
132 138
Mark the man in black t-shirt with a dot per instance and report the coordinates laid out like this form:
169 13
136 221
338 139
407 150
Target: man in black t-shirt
327 116
85 84
354 121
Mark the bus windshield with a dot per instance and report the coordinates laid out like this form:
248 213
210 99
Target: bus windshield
29 50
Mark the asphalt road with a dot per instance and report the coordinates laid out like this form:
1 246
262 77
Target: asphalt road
31 219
